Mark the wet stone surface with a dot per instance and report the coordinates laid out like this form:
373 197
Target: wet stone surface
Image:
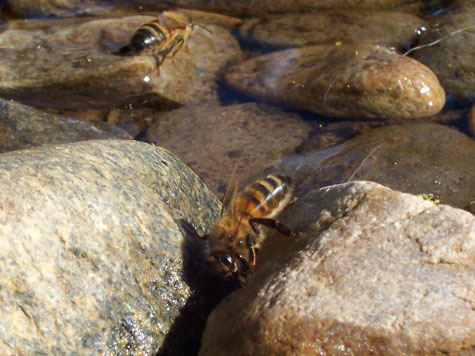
452 58
371 271
24 127
352 81
91 254
212 139
389 29
248 8
430 160
75 63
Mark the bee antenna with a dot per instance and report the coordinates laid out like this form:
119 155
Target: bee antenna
204 28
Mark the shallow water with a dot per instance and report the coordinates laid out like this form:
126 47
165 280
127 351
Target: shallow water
171 106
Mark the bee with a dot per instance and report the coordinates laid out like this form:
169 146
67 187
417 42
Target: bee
161 37
236 236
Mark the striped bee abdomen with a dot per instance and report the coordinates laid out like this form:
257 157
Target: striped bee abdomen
266 196
150 36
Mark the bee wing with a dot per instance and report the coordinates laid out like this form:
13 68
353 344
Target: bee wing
230 197
167 20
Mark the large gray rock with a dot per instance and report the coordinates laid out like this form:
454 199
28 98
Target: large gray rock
25 127
354 81
371 272
91 257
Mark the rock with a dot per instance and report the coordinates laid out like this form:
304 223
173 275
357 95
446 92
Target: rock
44 8
211 139
91 251
452 56
352 81
72 65
240 8
371 271
430 160
385 28
471 120
24 127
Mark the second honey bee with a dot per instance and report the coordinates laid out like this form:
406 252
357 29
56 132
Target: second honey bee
161 37
236 236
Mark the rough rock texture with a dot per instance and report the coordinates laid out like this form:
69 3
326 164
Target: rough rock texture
70 64
353 81
431 160
212 139
25 127
90 251
385 28
371 272
452 57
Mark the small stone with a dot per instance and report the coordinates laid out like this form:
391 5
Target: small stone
351 81
372 271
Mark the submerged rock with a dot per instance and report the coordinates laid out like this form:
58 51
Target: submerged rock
385 28
448 49
430 160
72 65
24 127
44 8
352 81
241 8
212 139
91 254
371 271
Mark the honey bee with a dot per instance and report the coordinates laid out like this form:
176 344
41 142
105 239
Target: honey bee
167 34
236 236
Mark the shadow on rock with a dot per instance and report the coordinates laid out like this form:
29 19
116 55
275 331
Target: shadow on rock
184 337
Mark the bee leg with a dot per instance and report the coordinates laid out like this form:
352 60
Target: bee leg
274 224
252 251
254 227
179 43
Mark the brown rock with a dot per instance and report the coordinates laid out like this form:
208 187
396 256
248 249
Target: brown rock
430 160
371 272
471 120
241 8
24 127
91 253
353 81
449 51
73 66
211 139
385 28
43 8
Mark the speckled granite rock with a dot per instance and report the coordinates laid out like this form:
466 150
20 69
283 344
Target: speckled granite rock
431 160
212 139
70 64
25 127
371 272
90 250
385 28
352 81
